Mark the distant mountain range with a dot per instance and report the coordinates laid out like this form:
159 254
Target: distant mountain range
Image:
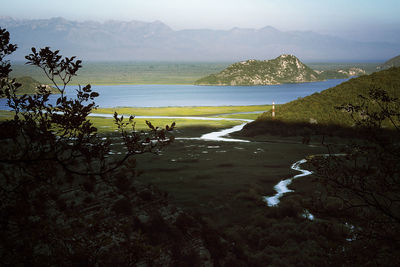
283 69
142 41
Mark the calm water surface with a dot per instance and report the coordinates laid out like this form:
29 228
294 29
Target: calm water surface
192 95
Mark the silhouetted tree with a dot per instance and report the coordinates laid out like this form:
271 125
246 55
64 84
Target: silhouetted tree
64 200
365 181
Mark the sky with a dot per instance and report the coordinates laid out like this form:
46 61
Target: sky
357 19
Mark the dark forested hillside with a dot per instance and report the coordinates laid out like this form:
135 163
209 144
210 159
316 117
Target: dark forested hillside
319 108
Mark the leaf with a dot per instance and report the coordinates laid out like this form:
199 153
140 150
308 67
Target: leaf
94 94
150 125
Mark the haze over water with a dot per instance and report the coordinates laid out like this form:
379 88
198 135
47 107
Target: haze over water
192 95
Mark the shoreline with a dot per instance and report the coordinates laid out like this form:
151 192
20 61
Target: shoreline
251 111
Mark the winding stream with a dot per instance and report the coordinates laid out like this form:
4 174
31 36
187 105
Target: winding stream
213 136
281 188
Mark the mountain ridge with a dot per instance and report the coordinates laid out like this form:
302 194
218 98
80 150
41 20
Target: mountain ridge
136 40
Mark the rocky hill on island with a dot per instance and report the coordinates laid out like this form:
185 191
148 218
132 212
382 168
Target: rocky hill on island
393 62
283 69
30 86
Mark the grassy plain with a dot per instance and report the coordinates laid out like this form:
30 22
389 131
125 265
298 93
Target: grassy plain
224 181
215 177
223 184
107 124
105 73
184 111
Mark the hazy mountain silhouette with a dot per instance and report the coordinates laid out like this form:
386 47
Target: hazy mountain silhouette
136 40
393 62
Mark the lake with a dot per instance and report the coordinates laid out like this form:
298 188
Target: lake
193 95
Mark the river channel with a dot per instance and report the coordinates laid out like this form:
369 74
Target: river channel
281 188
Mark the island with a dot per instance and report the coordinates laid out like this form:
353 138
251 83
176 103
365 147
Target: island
283 69
31 86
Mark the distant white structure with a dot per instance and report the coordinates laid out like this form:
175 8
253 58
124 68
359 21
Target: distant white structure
273 109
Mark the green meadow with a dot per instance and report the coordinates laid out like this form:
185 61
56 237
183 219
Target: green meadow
107 124
107 73
223 184
184 111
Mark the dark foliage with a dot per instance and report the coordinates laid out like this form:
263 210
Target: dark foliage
364 181
357 190
319 108
5 49
64 200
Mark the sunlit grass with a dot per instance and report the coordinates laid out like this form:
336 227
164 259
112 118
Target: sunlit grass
184 111
241 116
107 124
4 114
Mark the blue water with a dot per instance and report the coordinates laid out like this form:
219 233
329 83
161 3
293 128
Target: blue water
192 95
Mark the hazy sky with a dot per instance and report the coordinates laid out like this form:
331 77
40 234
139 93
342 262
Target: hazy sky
365 18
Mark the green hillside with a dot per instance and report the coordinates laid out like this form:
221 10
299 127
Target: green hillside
283 69
29 86
319 108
